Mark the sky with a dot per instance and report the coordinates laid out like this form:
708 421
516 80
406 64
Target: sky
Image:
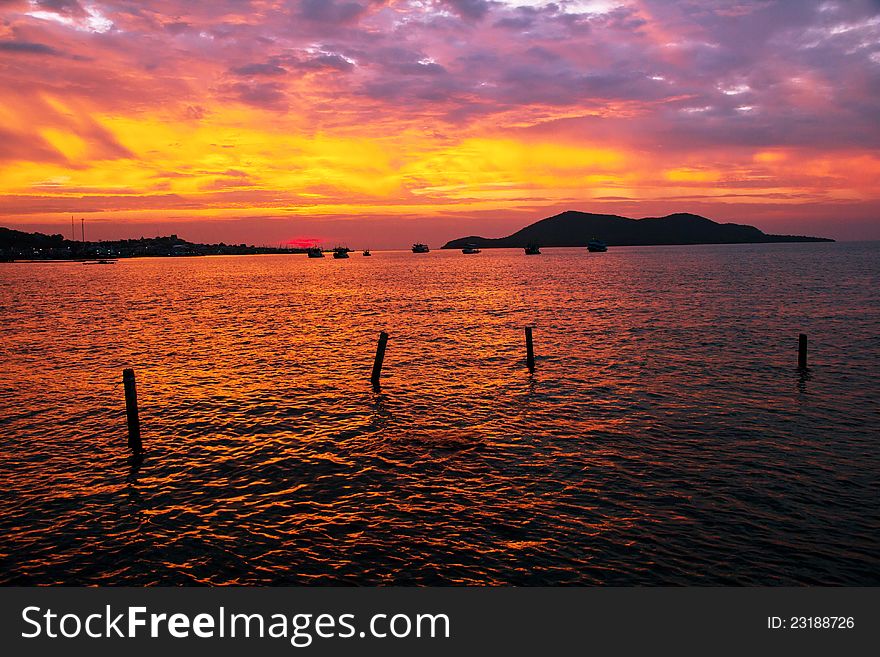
383 122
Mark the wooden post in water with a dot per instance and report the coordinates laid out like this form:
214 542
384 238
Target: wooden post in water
131 411
802 351
530 352
380 356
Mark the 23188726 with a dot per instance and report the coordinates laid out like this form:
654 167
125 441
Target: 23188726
811 623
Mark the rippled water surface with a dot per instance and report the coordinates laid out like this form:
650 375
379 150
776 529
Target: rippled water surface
666 436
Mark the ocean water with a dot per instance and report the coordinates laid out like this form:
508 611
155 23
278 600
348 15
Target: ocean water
666 436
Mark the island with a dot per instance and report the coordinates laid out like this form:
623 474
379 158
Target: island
573 228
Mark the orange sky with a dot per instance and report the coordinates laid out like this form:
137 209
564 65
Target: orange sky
388 122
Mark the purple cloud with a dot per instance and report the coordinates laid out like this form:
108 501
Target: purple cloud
707 71
472 9
258 69
268 95
70 7
27 47
332 11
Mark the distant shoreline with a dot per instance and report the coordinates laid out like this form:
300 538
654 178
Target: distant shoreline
22 261
20 245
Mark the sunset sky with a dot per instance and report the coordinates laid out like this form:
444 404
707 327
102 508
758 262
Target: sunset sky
382 122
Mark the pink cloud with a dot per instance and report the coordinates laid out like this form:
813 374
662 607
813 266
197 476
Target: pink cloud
682 80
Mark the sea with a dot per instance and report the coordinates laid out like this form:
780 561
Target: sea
665 437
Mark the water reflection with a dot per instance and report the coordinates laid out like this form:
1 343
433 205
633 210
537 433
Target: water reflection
804 375
382 416
656 441
135 461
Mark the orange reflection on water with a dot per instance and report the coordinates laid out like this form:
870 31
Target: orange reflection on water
661 420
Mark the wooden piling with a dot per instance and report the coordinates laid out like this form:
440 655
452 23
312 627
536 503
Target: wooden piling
802 351
380 356
530 352
131 411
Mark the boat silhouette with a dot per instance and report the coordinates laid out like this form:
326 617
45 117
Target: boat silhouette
596 246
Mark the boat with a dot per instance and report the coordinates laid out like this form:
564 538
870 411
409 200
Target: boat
100 262
469 249
315 252
532 249
340 252
367 252
596 246
418 247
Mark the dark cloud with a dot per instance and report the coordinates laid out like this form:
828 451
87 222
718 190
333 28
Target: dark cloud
258 69
515 22
329 61
624 19
403 61
26 47
472 9
268 95
543 54
524 17
420 68
418 91
177 27
68 7
332 11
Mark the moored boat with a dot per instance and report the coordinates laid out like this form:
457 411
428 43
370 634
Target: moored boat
418 247
340 252
532 249
596 246
315 252
367 252
470 249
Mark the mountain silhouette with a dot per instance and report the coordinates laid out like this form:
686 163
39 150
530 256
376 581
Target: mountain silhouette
573 228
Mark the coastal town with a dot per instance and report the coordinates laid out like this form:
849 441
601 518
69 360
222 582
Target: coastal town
19 245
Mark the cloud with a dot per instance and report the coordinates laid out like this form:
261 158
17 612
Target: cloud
397 60
25 47
332 11
325 61
16 146
177 27
515 22
68 7
648 58
229 179
267 95
471 9
681 82
258 69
